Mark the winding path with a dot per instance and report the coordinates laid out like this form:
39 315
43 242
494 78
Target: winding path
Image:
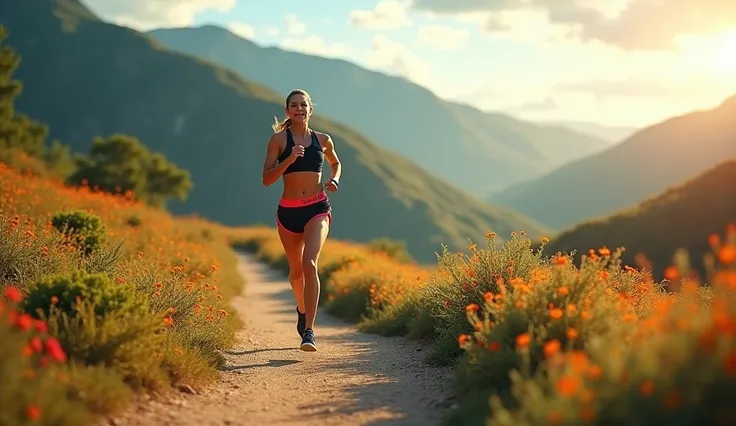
353 379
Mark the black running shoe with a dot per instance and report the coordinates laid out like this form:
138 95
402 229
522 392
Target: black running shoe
301 323
308 343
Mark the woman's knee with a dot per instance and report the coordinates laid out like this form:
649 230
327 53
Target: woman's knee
309 265
296 274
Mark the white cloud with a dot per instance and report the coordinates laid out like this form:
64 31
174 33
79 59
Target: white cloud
144 15
387 15
398 59
629 24
242 29
309 44
444 37
525 25
314 45
295 26
272 31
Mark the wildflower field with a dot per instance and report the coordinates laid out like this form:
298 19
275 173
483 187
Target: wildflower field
537 340
101 297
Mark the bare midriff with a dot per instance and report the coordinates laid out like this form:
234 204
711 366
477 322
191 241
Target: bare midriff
301 185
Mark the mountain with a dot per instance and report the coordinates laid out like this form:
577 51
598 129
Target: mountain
477 151
645 164
613 134
85 77
683 216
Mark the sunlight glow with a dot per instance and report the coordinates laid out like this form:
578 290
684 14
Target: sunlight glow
725 52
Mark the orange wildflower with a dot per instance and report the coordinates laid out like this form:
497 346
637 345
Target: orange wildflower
727 254
567 385
556 313
551 348
523 340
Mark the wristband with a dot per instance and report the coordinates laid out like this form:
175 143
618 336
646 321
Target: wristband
337 184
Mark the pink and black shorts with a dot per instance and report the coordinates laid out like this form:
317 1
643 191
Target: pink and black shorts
293 214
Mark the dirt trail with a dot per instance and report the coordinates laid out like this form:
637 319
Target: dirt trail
353 378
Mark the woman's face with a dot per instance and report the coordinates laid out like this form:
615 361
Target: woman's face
298 108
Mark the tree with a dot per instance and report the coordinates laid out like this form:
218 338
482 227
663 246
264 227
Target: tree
16 130
123 163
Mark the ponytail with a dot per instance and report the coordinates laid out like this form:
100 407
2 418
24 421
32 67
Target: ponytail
280 125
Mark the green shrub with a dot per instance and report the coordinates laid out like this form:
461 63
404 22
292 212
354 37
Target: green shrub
65 290
32 372
464 280
29 251
85 230
127 344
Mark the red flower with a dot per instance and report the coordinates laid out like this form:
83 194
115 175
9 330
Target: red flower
41 326
24 322
13 294
36 344
54 350
33 412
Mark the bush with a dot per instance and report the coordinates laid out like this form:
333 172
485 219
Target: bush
560 309
466 280
65 291
29 252
32 371
85 230
126 342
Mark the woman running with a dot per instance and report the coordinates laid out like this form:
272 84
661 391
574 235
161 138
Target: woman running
304 214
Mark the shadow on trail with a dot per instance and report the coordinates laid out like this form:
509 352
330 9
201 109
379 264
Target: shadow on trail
255 351
391 370
391 381
270 363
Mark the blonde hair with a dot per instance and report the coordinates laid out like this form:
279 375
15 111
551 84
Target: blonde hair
281 125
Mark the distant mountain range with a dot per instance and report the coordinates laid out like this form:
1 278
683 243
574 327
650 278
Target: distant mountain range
477 151
85 77
642 166
613 134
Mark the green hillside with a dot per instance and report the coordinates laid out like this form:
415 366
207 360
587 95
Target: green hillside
478 151
641 167
683 216
85 77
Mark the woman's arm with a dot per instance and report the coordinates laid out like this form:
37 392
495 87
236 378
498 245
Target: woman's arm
333 159
272 170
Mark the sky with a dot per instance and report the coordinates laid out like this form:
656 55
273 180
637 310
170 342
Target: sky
613 62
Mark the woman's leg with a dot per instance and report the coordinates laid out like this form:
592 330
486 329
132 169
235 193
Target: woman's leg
315 234
293 244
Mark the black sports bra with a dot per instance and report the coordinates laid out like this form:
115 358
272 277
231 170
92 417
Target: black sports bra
311 161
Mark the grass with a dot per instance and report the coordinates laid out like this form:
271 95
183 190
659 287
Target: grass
538 339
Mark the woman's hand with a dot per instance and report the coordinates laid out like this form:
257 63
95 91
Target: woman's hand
296 152
331 185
